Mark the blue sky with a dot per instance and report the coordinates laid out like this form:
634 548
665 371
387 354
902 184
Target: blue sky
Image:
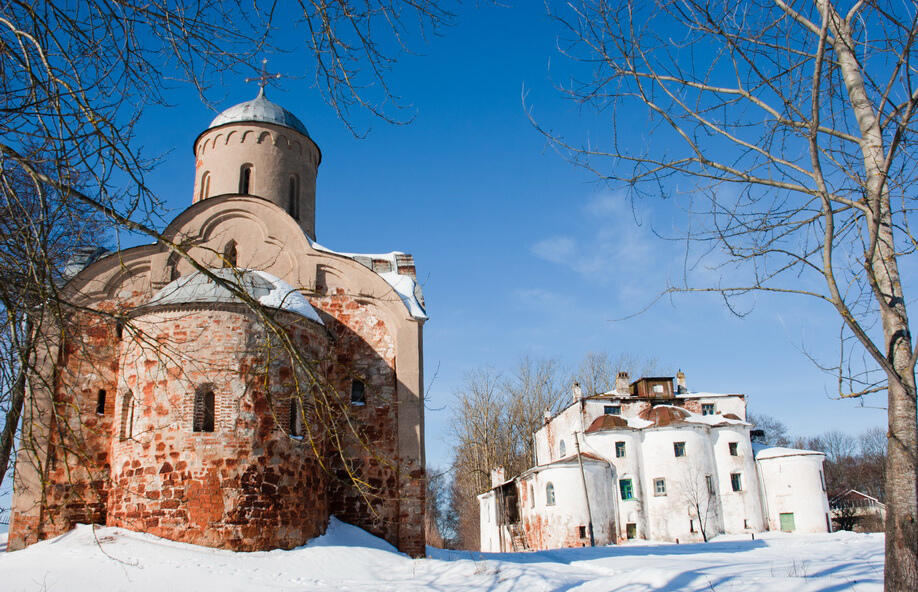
519 252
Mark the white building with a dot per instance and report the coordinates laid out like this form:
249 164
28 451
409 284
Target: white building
647 460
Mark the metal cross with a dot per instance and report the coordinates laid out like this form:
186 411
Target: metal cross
265 77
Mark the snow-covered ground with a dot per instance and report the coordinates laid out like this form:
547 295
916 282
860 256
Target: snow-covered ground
347 558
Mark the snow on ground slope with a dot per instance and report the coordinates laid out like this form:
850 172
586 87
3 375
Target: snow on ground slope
347 558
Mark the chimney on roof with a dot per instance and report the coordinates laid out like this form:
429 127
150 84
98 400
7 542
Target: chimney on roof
497 476
680 383
576 391
623 383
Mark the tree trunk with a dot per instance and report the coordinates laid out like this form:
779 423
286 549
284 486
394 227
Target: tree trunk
17 400
881 265
901 491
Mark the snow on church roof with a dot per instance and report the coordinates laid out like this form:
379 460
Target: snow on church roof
260 109
267 289
405 286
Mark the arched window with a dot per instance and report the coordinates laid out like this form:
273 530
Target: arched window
358 392
127 416
296 419
203 409
119 329
562 449
229 254
293 198
100 402
550 494
172 263
205 186
245 179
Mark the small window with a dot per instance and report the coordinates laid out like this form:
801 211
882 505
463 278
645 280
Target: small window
631 530
204 409
531 496
734 449
119 330
550 494
229 254
358 393
562 449
658 389
822 479
127 416
707 408
691 526
293 198
296 419
205 186
612 409
659 487
709 480
245 179
100 402
679 448
581 530
619 450
626 488
736 481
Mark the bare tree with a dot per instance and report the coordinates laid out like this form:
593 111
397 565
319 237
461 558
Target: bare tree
597 371
792 123
436 525
837 445
775 432
39 234
76 78
699 494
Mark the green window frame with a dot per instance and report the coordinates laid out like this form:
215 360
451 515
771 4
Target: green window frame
626 487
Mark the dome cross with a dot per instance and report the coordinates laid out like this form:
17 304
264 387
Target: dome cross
264 77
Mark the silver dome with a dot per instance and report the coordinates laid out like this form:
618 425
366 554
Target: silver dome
262 110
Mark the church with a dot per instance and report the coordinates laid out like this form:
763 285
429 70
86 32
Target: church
237 383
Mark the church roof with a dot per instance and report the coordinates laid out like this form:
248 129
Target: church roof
268 290
407 288
607 422
260 109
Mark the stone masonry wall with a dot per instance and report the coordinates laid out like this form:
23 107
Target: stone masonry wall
74 460
364 349
245 486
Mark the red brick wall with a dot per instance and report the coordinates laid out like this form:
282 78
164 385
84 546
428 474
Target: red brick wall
246 486
75 460
364 349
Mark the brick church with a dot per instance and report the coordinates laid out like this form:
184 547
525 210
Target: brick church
166 402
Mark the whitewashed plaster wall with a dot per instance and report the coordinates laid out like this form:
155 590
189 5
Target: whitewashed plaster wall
668 515
793 484
629 466
742 510
490 541
559 523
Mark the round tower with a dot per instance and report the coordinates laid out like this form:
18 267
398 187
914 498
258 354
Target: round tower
259 148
